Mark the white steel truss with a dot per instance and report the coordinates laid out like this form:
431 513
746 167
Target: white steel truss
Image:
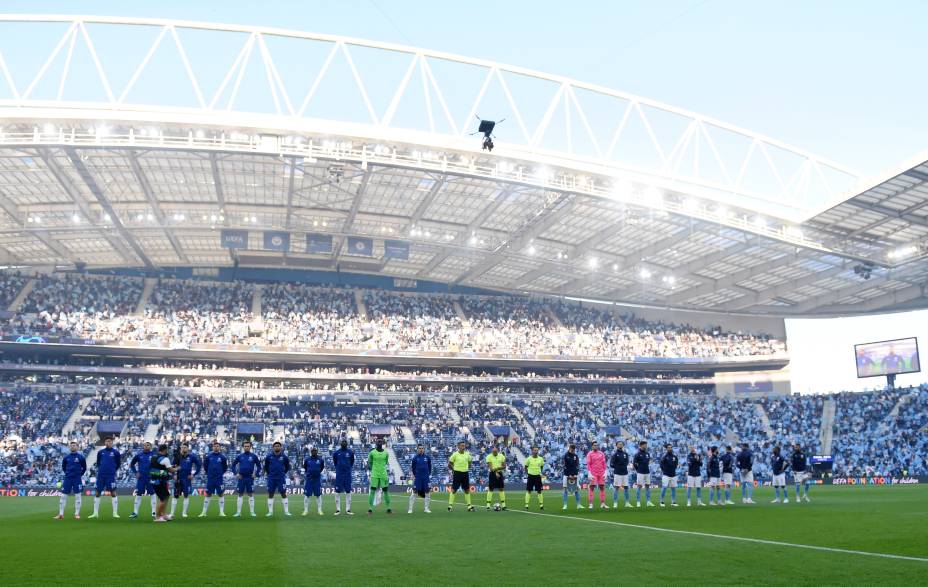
561 119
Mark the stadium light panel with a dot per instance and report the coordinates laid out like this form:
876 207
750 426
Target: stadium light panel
593 262
644 273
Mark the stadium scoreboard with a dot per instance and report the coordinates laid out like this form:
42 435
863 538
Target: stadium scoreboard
887 357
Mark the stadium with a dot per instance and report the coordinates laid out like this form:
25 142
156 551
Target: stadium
242 260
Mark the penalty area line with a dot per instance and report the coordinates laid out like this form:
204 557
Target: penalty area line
726 537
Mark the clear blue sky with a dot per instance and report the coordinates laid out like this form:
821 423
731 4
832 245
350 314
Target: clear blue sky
840 78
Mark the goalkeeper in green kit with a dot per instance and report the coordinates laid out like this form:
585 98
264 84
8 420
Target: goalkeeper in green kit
377 465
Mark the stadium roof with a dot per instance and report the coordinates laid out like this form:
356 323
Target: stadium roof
665 207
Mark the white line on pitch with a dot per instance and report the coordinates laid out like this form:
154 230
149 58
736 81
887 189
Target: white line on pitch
725 537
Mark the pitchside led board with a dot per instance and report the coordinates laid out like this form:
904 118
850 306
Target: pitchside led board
887 357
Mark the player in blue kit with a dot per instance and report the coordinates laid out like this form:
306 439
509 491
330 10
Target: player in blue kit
745 462
246 467
799 463
108 459
694 476
343 459
778 467
313 466
728 473
188 466
140 465
421 468
642 466
73 465
215 466
276 467
714 473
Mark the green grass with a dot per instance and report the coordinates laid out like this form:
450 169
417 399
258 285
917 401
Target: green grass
509 548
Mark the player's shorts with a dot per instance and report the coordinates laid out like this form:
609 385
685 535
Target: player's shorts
779 480
313 488
245 485
143 486
620 480
71 485
693 481
460 480
667 481
497 482
570 483
214 487
728 478
106 484
379 481
747 476
182 487
161 490
276 485
343 482
598 479
421 486
534 484
714 482
642 479
800 476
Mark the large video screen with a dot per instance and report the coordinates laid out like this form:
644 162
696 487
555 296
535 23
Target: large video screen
887 357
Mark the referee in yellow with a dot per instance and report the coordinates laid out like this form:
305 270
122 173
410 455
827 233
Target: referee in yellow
496 464
534 466
459 463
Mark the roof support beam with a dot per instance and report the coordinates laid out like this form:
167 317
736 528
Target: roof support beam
779 290
427 200
155 207
728 280
487 211
544 219
119 245
625 262
353 212
84 173
291 183
892 298
905 214
834 296
217 185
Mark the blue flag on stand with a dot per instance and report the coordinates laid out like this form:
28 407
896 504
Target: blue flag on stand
360 247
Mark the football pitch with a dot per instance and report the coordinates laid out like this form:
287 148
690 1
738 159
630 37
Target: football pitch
847 535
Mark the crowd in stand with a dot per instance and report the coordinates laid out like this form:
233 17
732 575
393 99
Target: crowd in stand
179 312
31 441
80 307
869 437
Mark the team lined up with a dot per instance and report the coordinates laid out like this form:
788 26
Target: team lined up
155 470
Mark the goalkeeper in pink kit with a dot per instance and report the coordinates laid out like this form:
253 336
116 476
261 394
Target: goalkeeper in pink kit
596 467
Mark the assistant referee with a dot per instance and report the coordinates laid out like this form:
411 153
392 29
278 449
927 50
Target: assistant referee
459 463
